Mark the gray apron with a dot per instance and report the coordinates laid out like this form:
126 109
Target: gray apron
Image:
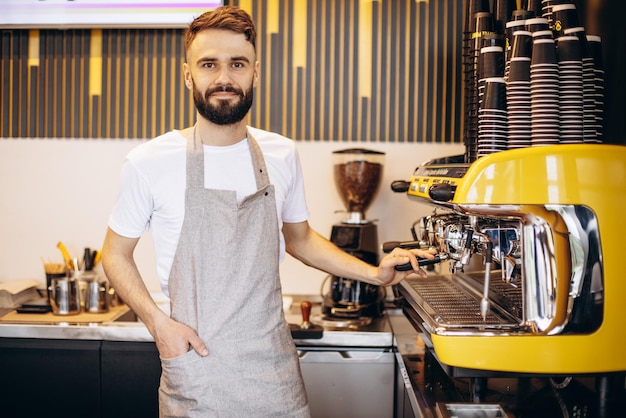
224 284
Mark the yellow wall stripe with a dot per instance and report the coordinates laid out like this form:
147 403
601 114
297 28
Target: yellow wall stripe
95 63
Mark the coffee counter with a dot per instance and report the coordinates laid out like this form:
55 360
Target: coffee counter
111 368
122 325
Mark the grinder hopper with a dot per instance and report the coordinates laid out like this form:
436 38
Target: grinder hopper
357 174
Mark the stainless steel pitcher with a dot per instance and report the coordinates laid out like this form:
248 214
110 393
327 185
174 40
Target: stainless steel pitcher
64 296
97 299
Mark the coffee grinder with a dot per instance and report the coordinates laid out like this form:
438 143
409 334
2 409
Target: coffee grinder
357 174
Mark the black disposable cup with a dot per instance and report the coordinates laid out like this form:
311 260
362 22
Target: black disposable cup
522 14
491 62
579 32
522 44
568 49
548 5
521 110
510 29
484 24
544 51
534 6
564 16
488 146
487 113
544 70
543 34
595 47
502 10
492 125
493 39
471 8
495 94
537 24
519 69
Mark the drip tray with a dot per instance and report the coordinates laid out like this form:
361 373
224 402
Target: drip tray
450 302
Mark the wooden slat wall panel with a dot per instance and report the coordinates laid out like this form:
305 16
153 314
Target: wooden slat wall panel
353 70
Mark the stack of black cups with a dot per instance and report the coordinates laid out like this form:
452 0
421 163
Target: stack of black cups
518 91
517 22
570 90
547 9
484 26
502 12
491 65
544 92
595 46
532 75
589 85
564 16
471 50
492 118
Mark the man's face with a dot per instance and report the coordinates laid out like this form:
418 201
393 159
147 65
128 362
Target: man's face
222 72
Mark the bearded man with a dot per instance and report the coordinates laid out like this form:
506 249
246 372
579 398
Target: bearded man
224 202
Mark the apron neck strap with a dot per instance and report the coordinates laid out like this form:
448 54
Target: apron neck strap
195 161
258 163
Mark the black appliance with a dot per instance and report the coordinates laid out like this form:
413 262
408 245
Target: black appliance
357 174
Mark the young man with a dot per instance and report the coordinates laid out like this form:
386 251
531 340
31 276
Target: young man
224 202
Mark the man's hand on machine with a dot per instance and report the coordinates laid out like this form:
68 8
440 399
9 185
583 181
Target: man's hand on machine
400 262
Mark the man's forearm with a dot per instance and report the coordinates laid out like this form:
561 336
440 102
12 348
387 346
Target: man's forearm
121 270
129 285
316 251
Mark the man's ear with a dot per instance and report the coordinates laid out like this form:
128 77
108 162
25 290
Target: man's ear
257 69
187 76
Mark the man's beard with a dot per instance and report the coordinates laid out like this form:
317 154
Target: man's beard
224 113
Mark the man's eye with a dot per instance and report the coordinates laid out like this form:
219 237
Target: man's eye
238 64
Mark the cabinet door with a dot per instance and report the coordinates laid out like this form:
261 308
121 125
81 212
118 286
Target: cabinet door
349 383
406 401
130 379
49 378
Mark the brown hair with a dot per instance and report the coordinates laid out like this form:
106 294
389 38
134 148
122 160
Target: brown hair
226 17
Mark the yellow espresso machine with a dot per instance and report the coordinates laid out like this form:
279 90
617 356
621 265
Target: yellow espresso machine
533 239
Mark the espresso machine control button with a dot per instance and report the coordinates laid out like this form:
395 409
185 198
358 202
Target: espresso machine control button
441 192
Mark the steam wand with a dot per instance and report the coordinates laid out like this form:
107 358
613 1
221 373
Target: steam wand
484 303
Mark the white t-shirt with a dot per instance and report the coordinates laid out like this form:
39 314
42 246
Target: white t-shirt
152 187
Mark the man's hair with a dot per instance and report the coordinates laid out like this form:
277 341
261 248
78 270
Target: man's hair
227 18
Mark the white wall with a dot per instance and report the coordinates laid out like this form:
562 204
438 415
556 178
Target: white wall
55 190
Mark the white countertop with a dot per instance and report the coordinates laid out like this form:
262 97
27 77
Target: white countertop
377 334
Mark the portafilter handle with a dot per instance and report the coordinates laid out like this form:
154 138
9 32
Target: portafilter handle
422 262
305 307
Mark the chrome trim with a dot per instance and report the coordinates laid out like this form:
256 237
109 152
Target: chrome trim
552 253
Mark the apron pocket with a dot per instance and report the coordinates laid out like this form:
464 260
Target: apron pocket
182 383
189 357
